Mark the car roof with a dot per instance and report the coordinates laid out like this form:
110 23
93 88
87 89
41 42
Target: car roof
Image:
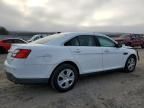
73 34
63 37
83 33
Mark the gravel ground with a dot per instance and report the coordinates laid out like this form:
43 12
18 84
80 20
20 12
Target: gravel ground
107 90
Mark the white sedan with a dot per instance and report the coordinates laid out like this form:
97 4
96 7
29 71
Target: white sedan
36 37
61 58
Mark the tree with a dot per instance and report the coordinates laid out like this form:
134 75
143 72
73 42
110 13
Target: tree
3 31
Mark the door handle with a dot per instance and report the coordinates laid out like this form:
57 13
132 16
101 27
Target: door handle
106 51
125 53
77 51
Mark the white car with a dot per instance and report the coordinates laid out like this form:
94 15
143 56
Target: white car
36 37
61 58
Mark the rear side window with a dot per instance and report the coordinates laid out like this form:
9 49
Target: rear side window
105 42
36 38
86 40
72 42
41 36
139 36
82 40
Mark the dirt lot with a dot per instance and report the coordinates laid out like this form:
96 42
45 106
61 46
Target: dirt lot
108 90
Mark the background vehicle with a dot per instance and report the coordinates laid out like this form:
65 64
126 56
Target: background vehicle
61 58
5 44
133 40
36 37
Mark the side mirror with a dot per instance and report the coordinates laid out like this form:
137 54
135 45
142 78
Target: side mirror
118 45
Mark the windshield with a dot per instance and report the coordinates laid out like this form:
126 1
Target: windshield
46 39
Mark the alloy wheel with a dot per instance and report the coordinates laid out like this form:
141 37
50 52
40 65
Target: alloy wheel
66 78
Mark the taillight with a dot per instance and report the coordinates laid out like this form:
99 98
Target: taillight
21 53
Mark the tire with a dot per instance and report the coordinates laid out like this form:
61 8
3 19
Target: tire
2 51
142 46
129 44
130 64
64 77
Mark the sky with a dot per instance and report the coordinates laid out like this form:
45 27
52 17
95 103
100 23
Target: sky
73 15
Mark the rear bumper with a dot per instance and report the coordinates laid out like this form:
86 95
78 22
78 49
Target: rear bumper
12 78
23 71
27 74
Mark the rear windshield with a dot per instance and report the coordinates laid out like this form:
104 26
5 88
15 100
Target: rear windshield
46 39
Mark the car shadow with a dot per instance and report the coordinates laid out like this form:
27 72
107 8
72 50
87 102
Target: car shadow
82 79
101 74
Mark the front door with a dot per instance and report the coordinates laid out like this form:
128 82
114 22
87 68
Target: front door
112 57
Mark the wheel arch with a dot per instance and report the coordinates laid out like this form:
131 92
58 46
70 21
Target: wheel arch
66 62
2 49
131 55
125 68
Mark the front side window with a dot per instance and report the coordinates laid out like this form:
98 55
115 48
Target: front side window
105 42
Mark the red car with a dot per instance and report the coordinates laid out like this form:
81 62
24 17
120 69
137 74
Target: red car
132 40
5 44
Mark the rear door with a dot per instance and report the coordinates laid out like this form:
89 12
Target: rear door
85 51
